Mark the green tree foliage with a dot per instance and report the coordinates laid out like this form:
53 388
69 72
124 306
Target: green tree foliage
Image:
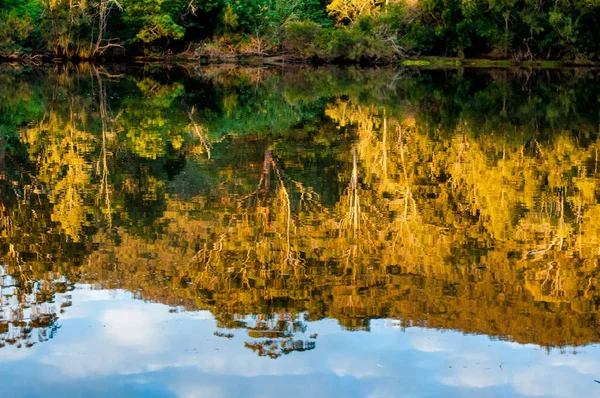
261 16
152 20
14 30
364 29
376 35
17 22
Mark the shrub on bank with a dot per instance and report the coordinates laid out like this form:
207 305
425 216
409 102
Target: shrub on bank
305 39
369 39
14 30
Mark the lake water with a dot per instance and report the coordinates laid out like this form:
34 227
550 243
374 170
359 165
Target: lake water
223 231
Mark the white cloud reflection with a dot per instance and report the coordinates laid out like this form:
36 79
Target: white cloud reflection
120 341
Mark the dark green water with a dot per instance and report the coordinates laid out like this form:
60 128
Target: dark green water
251 231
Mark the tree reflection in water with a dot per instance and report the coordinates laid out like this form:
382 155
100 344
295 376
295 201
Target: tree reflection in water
273 198
29 310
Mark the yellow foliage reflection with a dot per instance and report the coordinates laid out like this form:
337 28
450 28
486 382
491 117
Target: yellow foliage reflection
489 233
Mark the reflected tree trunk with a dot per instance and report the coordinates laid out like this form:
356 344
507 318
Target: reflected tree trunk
104 118
5 219
266 177
2 157
199 131
354 203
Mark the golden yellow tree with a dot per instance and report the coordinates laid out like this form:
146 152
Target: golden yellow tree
348 11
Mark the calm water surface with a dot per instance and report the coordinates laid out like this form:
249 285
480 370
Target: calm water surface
226 232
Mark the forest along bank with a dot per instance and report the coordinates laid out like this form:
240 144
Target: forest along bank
318 30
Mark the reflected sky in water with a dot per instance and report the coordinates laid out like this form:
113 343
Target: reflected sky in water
111 344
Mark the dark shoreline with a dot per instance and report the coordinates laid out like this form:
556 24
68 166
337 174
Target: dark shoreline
421 62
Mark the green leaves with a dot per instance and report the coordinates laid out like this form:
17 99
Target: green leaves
159 27
14 29
367 29
153 20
